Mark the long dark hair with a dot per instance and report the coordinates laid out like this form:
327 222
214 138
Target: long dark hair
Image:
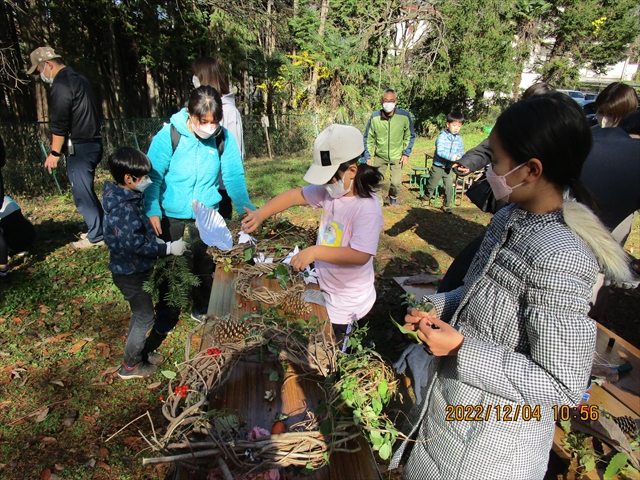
210 72
552 128
203 100
366 180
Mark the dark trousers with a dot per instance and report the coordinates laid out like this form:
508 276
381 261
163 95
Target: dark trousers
18 232
142 317
437 174
81 169
225 207
202 266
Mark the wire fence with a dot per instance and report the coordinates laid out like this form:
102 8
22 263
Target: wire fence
28 144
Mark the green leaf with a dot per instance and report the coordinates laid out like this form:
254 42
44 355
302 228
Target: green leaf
383 388
411 334
566 425
273 376
385 451
309 466
326 427
168 373
588 462
618 461
376 405
248 254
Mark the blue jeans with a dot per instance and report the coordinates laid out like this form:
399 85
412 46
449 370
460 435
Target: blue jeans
142 316
81 170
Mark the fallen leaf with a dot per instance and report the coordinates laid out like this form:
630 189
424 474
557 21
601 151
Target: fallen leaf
77 312
100 345
91 463
151 386
57 382
88 419
59 467
78 346
48 440
45 474
17 320
44 309
131 441
104 466
83 281
106 351
41 414
70 418
103 453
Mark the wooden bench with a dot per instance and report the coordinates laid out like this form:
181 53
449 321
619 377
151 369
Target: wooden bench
245 389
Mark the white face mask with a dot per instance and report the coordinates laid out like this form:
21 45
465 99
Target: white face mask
43 77
144 183
605 121
388 107
204 131
336 189
195 81
498 183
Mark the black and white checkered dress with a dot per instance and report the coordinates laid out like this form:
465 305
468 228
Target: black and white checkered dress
528 341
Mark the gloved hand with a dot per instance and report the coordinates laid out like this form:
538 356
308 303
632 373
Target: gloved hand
177 247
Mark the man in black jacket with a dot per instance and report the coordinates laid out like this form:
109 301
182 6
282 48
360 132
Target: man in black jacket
75 131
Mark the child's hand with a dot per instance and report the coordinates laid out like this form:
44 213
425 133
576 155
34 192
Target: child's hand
303 259
414 317
441 338
252 220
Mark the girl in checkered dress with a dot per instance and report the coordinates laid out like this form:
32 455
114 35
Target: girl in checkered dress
516 336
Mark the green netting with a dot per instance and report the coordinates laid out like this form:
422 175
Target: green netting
27 144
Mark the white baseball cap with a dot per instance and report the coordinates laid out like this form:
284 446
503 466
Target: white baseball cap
335 145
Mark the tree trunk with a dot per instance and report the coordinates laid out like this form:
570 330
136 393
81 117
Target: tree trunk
313 84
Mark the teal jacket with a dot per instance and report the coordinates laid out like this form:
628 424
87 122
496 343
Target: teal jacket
389 137
192 172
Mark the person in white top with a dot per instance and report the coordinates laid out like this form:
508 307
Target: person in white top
343 185
208 71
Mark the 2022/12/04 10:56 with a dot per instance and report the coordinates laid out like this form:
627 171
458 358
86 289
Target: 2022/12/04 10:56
582 412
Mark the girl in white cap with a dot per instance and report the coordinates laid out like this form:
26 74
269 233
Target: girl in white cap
343 185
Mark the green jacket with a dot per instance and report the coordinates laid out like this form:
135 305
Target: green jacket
389 137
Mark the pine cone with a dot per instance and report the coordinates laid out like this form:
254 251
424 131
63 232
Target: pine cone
312 236
627 424
294 303
229 331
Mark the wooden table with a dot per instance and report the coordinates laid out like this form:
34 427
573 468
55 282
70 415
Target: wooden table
245 389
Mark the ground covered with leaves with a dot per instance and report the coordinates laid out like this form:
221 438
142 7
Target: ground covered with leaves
63 324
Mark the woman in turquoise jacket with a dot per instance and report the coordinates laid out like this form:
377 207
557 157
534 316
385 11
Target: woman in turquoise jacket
190 171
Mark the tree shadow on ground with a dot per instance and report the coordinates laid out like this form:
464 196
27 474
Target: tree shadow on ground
449 233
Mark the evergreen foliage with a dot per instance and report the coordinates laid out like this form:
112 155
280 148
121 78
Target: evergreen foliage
175 273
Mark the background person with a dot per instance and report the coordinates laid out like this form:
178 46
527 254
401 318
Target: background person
191 173
389 138
343 185
449 149
615 102
517 333
75 131
208 71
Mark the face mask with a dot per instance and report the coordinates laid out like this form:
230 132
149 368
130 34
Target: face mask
195 81
498 183
605 121
336 189
144 183
42 76
204 131
388 107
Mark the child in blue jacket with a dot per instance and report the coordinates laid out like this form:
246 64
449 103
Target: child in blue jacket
133 249
449 149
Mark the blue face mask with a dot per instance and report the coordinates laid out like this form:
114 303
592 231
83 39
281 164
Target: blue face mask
144 183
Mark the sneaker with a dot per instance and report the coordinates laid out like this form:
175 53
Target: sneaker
392 202
199 317
447 210
141 370
424 198
84 243
155 358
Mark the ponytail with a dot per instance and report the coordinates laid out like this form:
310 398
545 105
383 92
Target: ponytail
366 180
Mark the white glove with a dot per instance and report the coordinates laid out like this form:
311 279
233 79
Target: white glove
177 247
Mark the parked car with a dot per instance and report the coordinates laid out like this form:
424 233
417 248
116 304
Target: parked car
589 109
590 96
577 96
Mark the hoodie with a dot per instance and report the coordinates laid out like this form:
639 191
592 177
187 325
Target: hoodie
192 171
128 233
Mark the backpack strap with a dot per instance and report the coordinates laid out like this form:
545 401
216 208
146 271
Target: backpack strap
220 142
175 139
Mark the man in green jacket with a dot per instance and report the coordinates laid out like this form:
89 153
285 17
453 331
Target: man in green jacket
389 137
